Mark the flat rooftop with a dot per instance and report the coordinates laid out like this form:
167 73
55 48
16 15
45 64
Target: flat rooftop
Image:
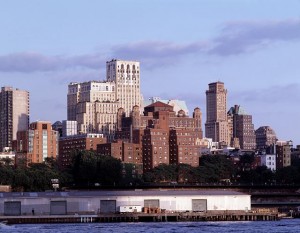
121 193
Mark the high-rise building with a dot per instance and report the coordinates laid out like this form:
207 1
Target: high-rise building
94 104
69 128
216 126
283 153
14 114
165 136
97 117
241 128
126 76
265 139
88 92
37 143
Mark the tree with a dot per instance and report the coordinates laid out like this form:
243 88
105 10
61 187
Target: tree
246 161
288 175
130 175
89 168
214 168
187 174
21 180
109 170
162 173
260 175
6 175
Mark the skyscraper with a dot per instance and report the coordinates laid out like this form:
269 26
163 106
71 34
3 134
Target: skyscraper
216 126
241 128
14 114
126 75
94 104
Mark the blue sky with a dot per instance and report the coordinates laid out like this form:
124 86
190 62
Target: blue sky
253 46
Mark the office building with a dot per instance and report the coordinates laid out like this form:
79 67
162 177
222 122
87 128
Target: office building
216 126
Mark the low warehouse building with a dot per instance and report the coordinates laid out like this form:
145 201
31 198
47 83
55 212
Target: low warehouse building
102 202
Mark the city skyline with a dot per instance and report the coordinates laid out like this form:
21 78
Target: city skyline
251 46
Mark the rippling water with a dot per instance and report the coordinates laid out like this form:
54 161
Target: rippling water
287 225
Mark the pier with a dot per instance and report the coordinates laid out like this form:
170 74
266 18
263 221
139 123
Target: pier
144 217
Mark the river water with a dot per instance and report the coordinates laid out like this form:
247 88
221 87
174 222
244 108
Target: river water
282 226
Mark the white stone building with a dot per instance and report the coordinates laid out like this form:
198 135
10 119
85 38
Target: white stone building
269 161
69 128
94 104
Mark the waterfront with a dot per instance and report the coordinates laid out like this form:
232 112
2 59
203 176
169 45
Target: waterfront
284 225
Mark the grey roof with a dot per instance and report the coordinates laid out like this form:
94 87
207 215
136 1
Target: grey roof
120 193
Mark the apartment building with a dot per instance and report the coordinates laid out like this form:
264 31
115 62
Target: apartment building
14 114
37 143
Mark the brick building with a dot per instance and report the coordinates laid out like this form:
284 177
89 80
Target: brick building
265 139
125 151
37 143
241 129
80 142
166 137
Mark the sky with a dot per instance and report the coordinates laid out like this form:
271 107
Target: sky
253 46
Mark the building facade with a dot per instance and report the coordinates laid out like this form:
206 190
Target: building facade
283 154
265 139
165 136
216 126
37 143
126 76
69 128
81 142
125 151
97 117
94 104
269 160
110 201
241 129
183 147
14 114
91 91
